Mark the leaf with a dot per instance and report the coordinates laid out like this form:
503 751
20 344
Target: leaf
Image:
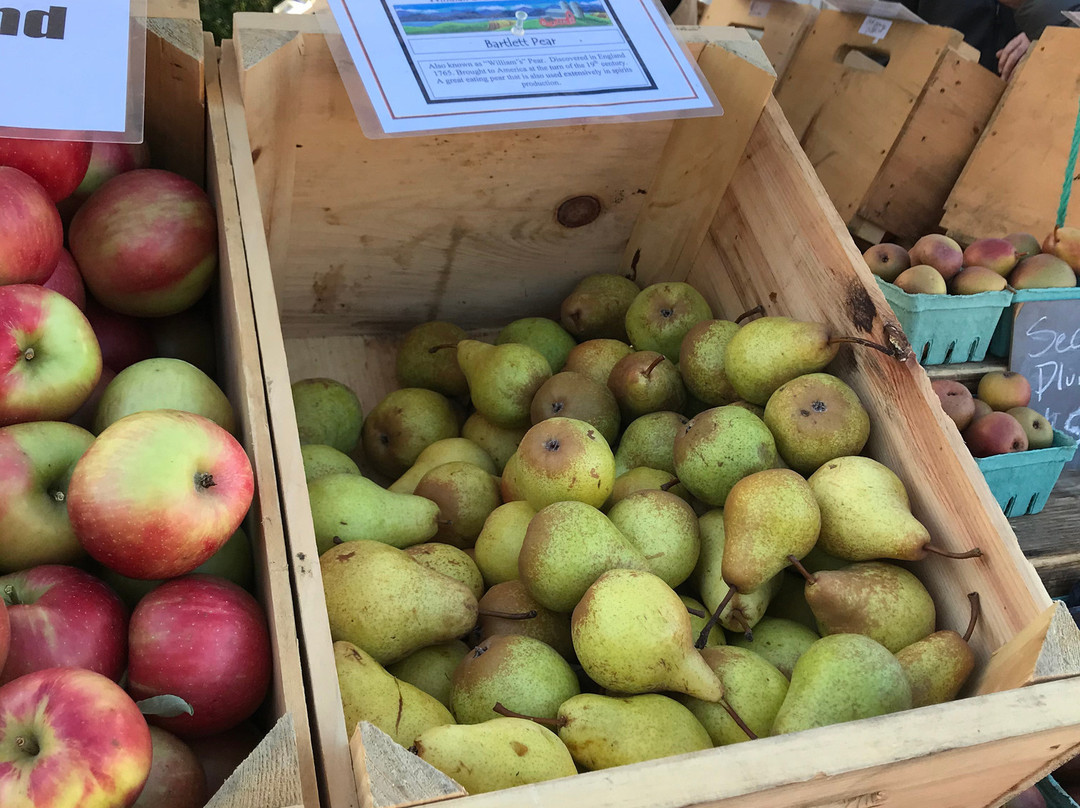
165 706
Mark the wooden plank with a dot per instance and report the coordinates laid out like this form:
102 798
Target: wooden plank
267 777
783 28
390 776
1048 538
1013 180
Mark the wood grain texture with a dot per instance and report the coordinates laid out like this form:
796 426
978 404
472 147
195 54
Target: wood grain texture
1012 181
390 776
1048 538
267 777
783 28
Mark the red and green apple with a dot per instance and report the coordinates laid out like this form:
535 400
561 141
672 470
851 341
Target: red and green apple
31 234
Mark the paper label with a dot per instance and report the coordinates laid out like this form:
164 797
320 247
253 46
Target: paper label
875 27
875 8
760 8
1073 17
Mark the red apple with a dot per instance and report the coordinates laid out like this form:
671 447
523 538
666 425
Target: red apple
176 776
204 639
36 461
220 754
70 738
31 235
159 492
5 634
63 617
124 340
58 165
66 280
49 357
146 243
109 160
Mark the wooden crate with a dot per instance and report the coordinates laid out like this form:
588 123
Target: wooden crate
888 143
186 132
1012 183
350 241
780 31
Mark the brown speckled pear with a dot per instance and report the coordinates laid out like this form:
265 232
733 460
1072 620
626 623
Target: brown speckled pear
767 352
564 459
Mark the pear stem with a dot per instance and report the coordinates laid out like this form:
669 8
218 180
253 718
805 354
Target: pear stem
547 722
810 578
529 615
973 597
669 485
652 367
703 637
739 619
758 309
973 553
696 612
735 717
866 342
436 348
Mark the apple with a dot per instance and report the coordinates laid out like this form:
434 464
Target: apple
31 235
159 492
5 634
84 416
176 776
66 280
108 160
146 243
36 461
63 617
204 639
57 165
220 754
124 340
71 737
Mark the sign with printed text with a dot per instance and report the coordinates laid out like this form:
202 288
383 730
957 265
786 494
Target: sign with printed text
442 65
875 27
66 68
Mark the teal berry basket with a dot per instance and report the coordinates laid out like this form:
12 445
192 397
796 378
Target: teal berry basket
1002 340
1021 482
947 329
1054 794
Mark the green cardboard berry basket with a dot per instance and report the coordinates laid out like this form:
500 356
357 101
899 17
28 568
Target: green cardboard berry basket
1054 794
947 329
1021 482
1002 340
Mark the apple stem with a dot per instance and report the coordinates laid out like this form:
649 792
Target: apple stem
547 722
669 485
204 480
436 348
696 612
973 597
58 496
529 615
802 570
758 309
29 746
973 553
738 720
655 362
29 354
11 598
867 343
703 637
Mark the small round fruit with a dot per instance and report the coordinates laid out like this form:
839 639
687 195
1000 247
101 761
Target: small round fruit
956 400
994 434
921 280
327 412
564 459
974 280
887 260
1039 433
427 358
1004 389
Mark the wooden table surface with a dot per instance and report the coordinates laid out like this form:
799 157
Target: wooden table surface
1051 538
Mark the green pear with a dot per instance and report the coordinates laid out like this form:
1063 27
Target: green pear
449 561
753 688
499 543
770 351
508 608
499 442
564 459
816 418
465 495
322 460
817 560
523 674
348 507
402 425
596 357
328 413
632 635
574 395
643 478
843 677
698 617
443 451
503 379
650 441
789 602
431 669
718 448
370 693
1040 433
605 731
508 483
567 546
544 336
936 667
501 753
701 362
644 382
382 601
882 601
780 642
426 358
596 308
661 314
769 517
664 528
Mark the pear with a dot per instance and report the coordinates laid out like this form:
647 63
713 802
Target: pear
568 545
1064 243
348 507
1004 389
509 486
956 401
523 674
882 601
1042 272
817 560
508 608
789 602
573 395
632 635
465 494
426 358
981 409
975 280
431 669
449 561
370 693
546 337
841 678
650 441
1039 433
664 528
443 451
701 362
887 260
698 617
499 442
997 433
937 666
718 448
780 642
661 314
564 459
605 731
770 351
922 280
382 601
753 688
644 382
501 753
816 418
328 413
321 460
503 379
1026 244
402 425
769 517
940 252
596 309
643 478
499 542
996 254
596 357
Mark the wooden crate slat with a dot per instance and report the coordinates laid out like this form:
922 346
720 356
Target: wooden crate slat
783 28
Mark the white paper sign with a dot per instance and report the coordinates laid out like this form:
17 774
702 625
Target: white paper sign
875 8
760 8
875 27
443 65
64 65
1073 17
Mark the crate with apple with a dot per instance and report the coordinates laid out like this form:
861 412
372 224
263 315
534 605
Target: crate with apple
142 573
